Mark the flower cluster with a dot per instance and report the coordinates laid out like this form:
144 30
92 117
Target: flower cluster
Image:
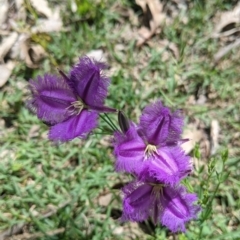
150 151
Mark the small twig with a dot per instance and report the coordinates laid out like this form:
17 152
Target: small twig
226 33
223 51
28 236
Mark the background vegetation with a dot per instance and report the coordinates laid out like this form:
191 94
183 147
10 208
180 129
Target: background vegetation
70 191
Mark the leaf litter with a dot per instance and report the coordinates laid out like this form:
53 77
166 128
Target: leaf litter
227 30
156 15
17 44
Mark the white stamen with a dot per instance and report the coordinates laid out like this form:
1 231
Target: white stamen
76 107
150 150
157 190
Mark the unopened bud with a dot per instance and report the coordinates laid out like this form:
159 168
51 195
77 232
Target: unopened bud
123 122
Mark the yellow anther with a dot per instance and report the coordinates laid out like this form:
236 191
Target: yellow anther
150 150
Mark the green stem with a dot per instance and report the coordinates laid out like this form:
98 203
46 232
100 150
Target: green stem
102 133
107 121
110 120
207 207
212 197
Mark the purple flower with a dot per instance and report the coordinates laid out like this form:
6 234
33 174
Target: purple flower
155 144
171 206
70 104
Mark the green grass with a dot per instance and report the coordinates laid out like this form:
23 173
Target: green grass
36 175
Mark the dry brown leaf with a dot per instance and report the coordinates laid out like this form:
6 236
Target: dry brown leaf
171 46
16 48
214 134
156 9
145 33
194 135
228 21
18 45
36 53
105 199
4 5
142 4
3 32
228 31
53 23
6 70
32 54
42 7
226 49
7 44
153 16
47 26
21 10
5 74
34 131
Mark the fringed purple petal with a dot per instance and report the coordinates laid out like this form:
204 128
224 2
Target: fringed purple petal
76 126
169 165
51 96
137 202
172 206
176 126
178 208
160 125
129 151
89 82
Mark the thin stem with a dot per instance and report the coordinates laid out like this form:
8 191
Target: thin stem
212 197
102 133
107 121
207 207
110 120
